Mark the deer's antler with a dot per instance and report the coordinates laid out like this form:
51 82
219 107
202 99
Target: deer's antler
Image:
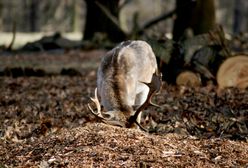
154 86
98 106
110 115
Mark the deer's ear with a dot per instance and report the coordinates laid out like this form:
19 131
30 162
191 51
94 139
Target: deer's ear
115 123
109 115
116 118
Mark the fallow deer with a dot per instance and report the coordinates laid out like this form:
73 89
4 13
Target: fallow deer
127 78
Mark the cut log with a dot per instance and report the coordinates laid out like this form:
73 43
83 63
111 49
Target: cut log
233 72
188 78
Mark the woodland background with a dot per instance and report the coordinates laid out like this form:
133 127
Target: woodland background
49 54
46 17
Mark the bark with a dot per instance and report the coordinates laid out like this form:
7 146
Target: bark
198 15
33 15
240 16
98 21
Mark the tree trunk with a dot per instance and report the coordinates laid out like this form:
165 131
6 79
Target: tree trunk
240 16
97 20
33 15
199 15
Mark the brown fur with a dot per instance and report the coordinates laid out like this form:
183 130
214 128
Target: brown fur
120 75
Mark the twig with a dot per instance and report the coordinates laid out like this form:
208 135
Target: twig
9 48
156 20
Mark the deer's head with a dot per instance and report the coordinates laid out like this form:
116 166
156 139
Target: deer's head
125 119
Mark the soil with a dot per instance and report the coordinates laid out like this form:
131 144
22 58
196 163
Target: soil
45 121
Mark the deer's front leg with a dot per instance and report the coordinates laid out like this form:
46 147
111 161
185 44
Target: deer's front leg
141 96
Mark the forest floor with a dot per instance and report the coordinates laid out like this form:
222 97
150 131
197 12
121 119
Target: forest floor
45 122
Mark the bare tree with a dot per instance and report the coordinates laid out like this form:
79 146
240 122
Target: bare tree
34 4
240 16
199 15
98 21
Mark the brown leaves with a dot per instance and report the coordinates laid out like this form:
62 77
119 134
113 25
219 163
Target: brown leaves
203 113
44 121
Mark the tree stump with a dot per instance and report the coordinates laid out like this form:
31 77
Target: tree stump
233 72
188 78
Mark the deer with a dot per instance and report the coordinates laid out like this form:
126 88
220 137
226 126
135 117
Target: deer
127 79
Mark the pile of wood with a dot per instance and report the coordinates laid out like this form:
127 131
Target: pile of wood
201 59
202 112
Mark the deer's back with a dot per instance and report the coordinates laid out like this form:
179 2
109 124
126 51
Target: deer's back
122 68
